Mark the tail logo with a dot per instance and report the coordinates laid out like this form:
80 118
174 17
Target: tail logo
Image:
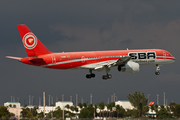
29 40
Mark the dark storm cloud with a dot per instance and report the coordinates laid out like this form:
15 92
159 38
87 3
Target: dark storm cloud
89 25
126 41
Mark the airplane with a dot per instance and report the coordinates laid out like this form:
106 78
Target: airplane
127 61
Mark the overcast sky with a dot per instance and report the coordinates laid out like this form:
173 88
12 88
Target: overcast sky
85 25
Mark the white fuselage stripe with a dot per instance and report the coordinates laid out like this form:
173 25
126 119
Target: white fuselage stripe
93 65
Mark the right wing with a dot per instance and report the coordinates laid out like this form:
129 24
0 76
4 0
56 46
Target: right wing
122 61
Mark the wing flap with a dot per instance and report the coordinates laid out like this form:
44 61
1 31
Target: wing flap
122 61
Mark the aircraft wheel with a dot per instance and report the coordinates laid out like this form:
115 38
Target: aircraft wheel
93 75
104 77
88 76
109 76
157 73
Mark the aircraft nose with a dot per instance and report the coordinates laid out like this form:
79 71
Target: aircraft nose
174 58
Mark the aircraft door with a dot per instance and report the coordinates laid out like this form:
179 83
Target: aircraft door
83 59
53 59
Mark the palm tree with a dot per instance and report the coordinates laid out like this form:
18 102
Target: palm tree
76 110
80 105
72 108
67 106
101 107
109 109
95 108
118 109
85 105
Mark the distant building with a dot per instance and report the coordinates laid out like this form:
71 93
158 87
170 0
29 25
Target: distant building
62 104
14 107
12 104
15 111
47 109
125 104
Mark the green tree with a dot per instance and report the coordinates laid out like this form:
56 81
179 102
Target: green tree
109 107
87 112
101 107
163 113
84 104
40 115
34 111
67 106
10 105
80 105
58 108
177 111
4 113
72 108
76 110
26 112
139 102
57 113
172 107
120 111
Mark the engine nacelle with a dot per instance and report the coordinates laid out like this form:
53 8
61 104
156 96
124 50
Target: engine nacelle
129 67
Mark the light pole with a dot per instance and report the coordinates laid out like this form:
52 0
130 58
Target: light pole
158 99
148 98
114 97
29 100
62 97
49 100
76 99
71 98
18 99
32 100
164 99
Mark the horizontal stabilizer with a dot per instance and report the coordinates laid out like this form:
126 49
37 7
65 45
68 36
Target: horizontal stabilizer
16 58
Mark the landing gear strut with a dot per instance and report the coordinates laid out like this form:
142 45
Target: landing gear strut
91 75
157 70
107 76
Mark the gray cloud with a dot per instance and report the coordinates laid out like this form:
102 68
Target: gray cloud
89 25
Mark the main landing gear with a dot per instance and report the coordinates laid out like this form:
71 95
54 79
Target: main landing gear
157 70
107 76
91 75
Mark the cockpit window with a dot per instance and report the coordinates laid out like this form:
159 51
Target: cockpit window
170 54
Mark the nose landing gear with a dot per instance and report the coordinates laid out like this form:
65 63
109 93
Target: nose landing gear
157 70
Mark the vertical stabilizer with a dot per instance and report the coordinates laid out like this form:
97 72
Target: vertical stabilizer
31 43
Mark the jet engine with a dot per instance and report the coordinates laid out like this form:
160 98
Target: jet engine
129 67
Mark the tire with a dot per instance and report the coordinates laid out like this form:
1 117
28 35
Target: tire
104 77
88 76
93 75
157 73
